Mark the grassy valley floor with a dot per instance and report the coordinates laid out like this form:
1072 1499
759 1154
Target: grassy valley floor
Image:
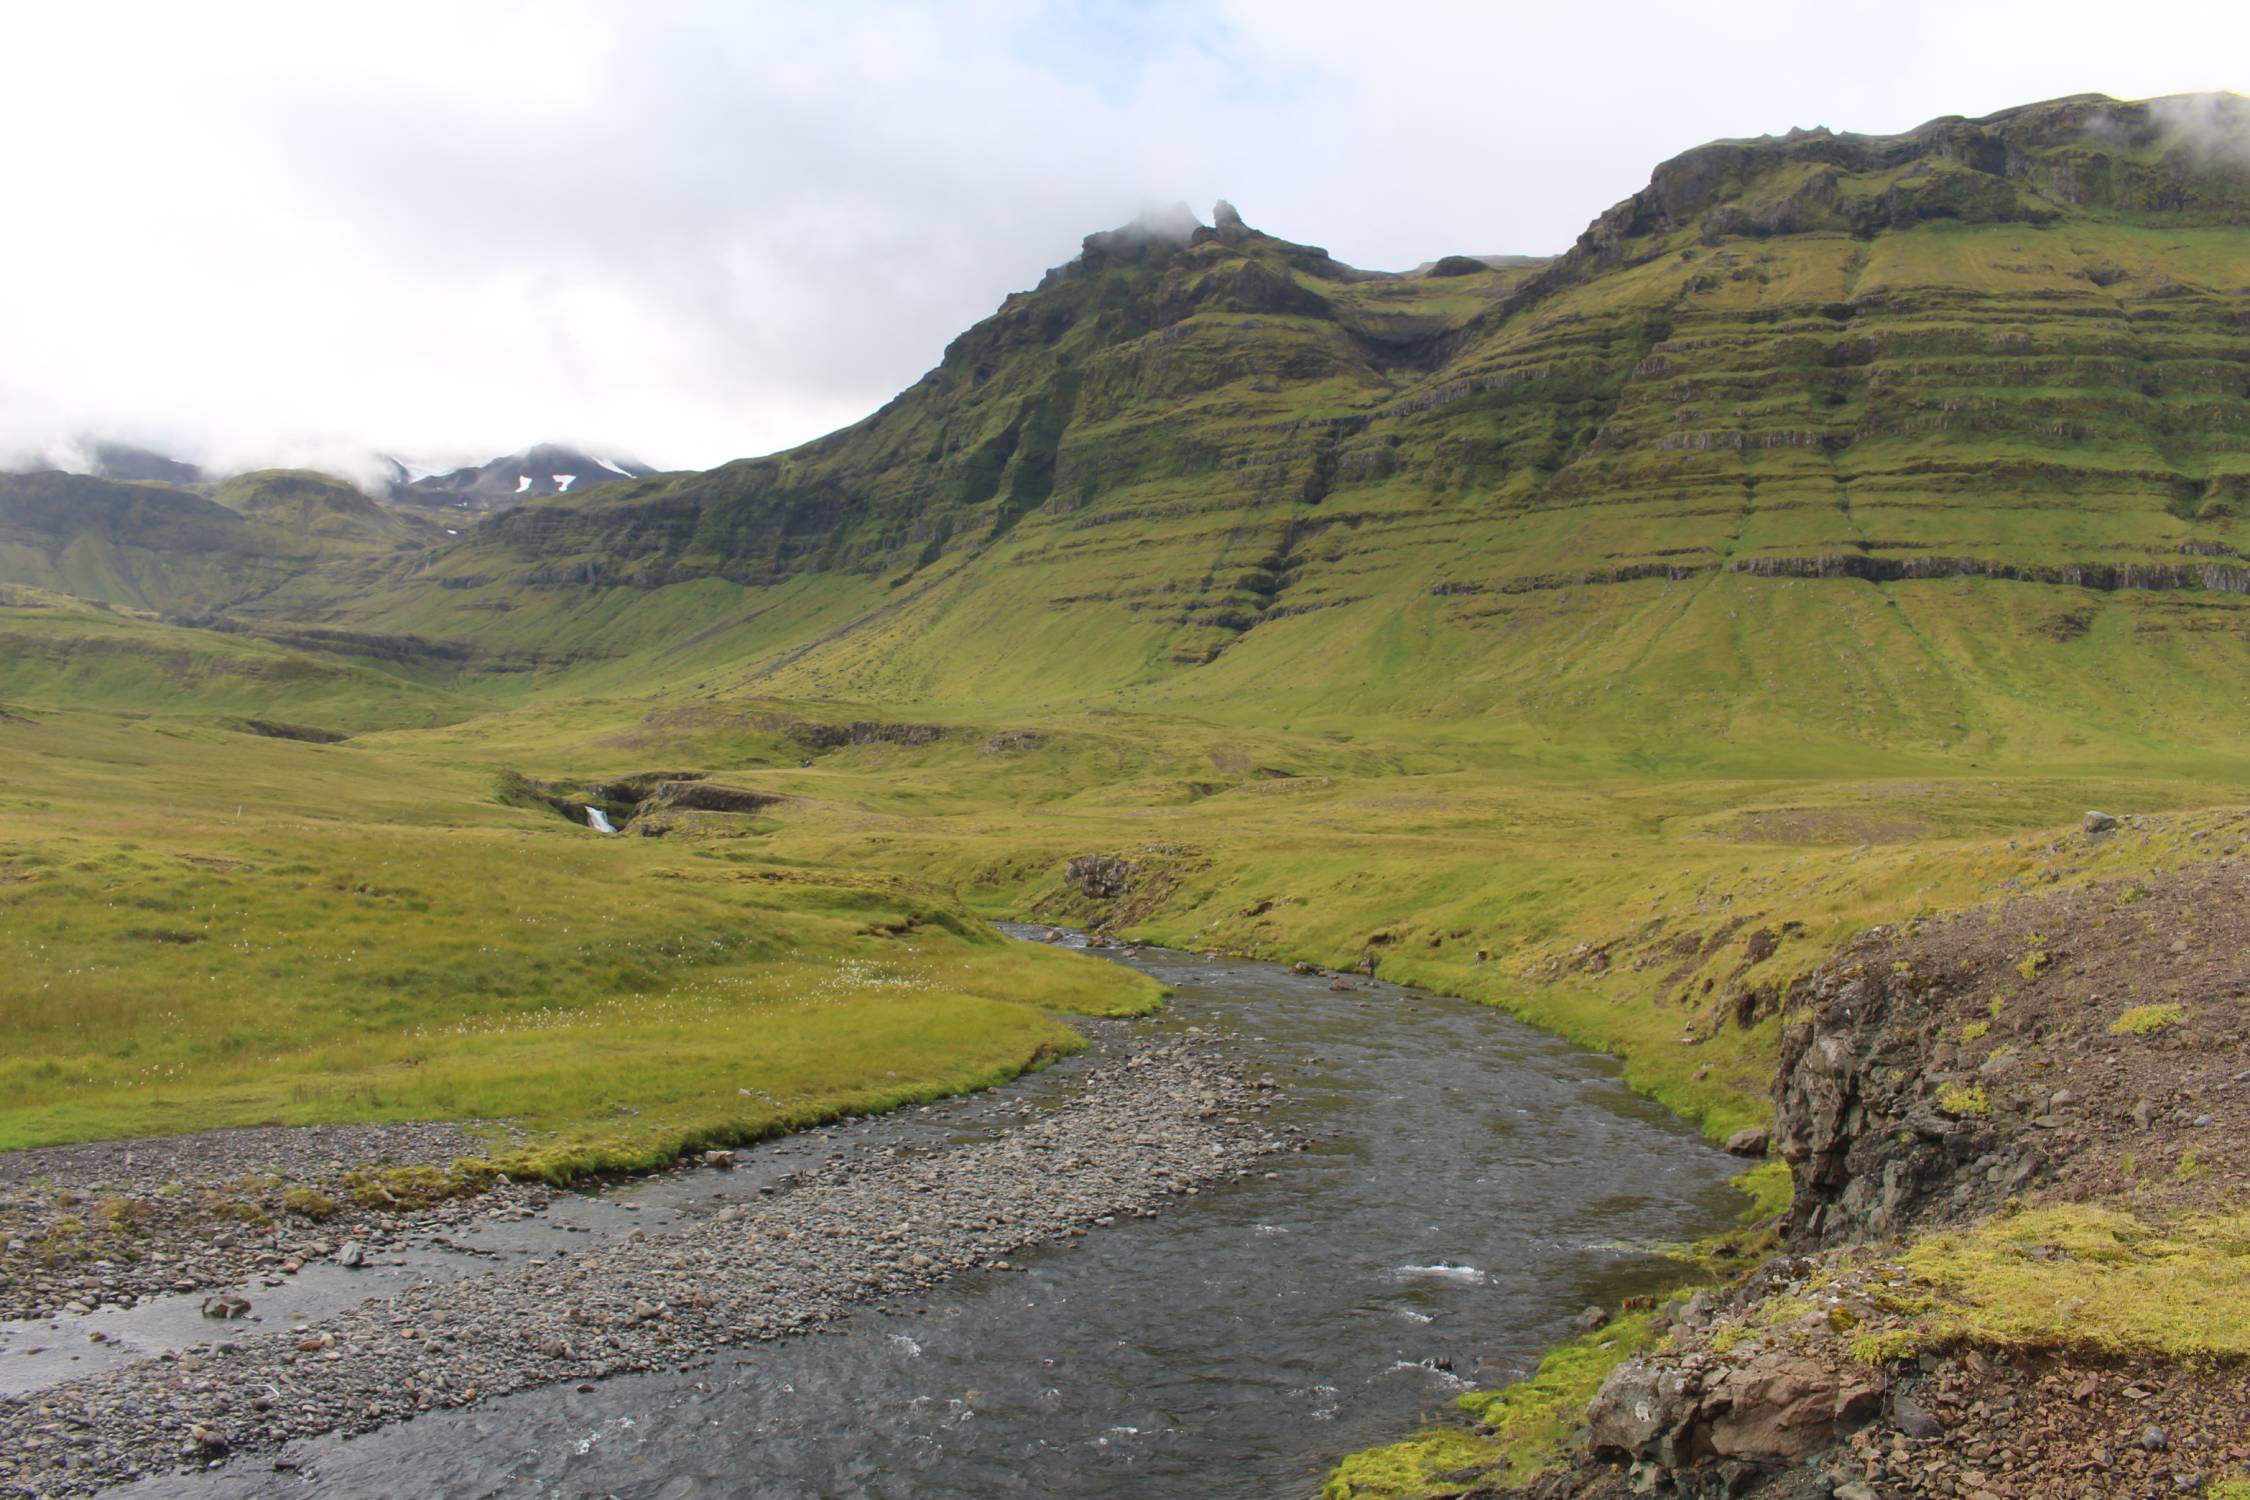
207 926
279 892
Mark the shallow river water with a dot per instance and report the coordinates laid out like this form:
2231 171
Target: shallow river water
1473 1184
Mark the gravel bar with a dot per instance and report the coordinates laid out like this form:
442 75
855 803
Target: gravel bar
1162 1120
112 1224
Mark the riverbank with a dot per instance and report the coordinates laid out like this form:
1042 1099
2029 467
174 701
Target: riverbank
1161 1120
2014 1265
108 1224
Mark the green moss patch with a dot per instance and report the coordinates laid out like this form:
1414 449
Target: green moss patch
2147 1020
2097 1279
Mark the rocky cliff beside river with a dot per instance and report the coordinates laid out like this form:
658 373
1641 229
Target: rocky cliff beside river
2015 1263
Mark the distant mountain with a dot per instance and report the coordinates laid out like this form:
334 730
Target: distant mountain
103 459
545 469
542 470
126 461
287 537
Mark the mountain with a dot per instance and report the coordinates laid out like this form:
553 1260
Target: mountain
285 537
542 470
1819 438
125 461
104 459
1891 438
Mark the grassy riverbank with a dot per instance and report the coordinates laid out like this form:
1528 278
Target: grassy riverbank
206 927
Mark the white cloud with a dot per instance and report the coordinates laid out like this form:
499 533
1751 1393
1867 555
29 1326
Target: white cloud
694 231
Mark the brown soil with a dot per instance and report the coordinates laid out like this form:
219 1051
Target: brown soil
1761 1391
2023 1002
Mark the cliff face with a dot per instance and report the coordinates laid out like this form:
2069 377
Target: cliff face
2005 349
2015 1253
2073 1044
2175 160
1102 381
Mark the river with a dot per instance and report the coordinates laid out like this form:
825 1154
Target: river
1472 1185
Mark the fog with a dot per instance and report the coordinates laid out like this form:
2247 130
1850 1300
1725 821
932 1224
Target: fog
689 232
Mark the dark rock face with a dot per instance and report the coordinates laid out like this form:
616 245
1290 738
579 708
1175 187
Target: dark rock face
1227 223
274 730
1857 1115
864 732
1100 877
707 796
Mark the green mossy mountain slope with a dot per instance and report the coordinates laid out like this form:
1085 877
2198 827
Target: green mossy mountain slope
1858 438
274 539
1818 435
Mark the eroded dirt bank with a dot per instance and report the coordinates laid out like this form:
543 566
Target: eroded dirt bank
2016 1264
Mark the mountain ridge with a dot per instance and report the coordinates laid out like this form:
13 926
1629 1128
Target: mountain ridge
1204 455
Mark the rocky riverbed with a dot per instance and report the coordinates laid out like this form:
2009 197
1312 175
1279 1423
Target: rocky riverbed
1160 1119
106 1225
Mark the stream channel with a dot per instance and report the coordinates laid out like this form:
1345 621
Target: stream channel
1472 1185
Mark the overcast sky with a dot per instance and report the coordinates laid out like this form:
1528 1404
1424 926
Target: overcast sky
691 232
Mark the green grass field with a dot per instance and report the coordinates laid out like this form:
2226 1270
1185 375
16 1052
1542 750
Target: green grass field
204 927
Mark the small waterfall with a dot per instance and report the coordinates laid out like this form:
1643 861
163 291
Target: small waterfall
598 820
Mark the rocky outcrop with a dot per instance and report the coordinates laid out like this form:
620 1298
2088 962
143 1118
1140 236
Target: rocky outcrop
707 796
2021 165
2080 1047
869 732
1872 1124
1099 877
274 730
1948 1066
1777 1407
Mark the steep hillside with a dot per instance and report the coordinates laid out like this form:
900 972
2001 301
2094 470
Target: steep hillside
1871 438
313 505
143 544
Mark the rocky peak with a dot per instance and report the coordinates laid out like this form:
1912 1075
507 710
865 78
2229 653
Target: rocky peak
1158 230
1227 223
540 470
2186 156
